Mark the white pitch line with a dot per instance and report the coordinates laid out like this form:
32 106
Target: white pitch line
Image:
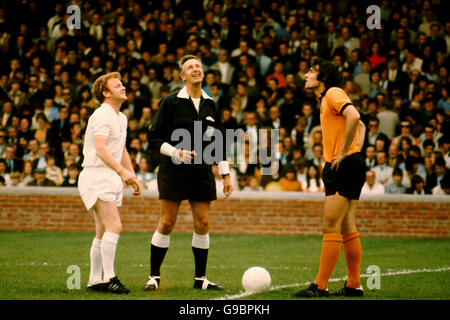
387 274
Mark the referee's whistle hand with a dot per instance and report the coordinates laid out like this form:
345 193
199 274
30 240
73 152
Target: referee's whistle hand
185 155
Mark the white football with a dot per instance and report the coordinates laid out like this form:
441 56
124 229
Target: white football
256 279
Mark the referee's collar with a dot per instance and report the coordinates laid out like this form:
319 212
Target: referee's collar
184 94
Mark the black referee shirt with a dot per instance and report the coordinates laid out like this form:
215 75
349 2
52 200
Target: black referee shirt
177 111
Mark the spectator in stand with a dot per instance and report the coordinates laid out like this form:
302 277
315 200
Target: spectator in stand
370 157
289 182
412 61
72 178
252 184
382 171
144 176
3 142
3 172
417 186
14 179
376 57
371 186
13 164
313 180
278 73
54 173
443 188
440 171
405 127
40 179
27 174
396 186
374 134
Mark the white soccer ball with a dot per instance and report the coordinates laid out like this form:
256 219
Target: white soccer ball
256 279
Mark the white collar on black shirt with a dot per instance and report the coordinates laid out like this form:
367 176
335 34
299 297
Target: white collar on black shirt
184 94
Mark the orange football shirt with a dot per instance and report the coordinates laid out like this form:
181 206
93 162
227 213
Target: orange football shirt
332 104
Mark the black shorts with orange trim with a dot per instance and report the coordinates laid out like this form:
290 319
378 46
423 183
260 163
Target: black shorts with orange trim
348 180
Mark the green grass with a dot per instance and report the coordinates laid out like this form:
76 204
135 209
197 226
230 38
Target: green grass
33 266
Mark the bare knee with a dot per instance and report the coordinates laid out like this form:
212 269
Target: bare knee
331 225
201 225
115 227
166 226
346 229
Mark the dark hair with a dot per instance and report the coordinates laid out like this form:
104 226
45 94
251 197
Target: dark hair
308 178
328 73
415 180
439 162
428 142
445 181
397 172
41 116
372 118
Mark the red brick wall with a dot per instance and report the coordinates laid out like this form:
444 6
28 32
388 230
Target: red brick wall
61 209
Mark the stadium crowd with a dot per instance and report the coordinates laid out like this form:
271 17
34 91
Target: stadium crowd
255 55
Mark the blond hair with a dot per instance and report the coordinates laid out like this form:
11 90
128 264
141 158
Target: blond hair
100 85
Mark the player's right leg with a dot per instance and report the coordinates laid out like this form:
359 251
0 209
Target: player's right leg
95 282
161 241
335 209
108 215
352 253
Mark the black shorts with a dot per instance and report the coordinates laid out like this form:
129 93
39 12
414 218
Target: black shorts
348 180
186 182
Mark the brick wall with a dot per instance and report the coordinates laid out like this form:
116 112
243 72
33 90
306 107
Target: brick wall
61 209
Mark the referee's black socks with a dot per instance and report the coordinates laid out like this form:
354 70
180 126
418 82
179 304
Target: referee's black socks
200 248
160 245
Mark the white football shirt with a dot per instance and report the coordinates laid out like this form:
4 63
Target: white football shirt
107 122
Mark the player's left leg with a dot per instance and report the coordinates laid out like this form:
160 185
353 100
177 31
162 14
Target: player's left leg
352 246
108 214
200 244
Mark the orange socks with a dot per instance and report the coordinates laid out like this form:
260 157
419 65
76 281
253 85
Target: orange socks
331 248
352 252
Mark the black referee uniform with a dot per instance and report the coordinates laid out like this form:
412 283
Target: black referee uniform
194 181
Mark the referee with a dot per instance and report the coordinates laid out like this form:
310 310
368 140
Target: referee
343 177
183 174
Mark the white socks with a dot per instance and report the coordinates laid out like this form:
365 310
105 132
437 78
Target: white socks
200 241
160 240
95 275
108 251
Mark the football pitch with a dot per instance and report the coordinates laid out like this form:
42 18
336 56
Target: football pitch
46 265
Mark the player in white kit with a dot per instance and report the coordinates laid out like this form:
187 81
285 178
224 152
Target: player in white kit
106 167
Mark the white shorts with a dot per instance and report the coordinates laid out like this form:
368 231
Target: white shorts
102 183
